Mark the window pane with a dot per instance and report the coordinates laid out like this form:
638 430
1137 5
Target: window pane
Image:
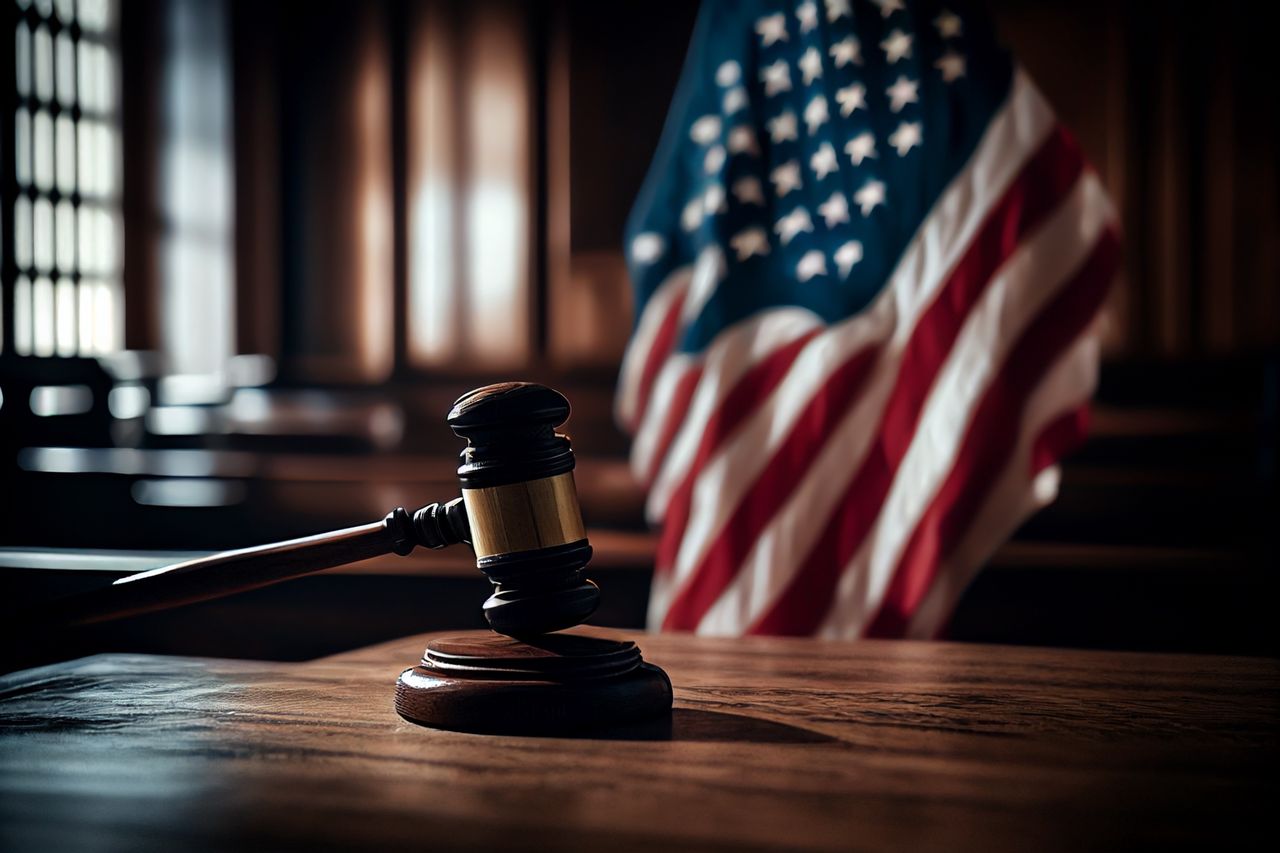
95 15
22 147
66 77
43 151
66 10
88 291
66 236
22 316
22 58
42 340
66 134
43 234
22 233
65 296
44 64
88 234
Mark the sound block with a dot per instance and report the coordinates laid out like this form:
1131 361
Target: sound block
561 683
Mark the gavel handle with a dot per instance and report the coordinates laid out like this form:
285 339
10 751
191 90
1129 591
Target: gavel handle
433 526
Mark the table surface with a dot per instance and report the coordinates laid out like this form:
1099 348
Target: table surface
773 742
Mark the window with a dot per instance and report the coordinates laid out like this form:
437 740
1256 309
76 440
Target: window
66 224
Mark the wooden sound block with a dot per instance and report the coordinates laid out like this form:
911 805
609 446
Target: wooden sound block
562 683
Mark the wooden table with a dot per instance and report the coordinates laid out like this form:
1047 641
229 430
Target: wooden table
802 744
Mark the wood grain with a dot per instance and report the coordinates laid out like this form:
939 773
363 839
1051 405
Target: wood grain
774 742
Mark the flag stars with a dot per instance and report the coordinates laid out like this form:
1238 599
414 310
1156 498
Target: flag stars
792 224
824 162
835 210
742 140
750 242
903 92
728 73
888 7
837 9
807 15
748 191
870 196
735 99
848 255
712 163
811 65
852 97
691 216
786 178
815 114
847 51
861 147
705 130
783 128
897 46
948 24
776 78
772 29
952 66
813 263
647 247
713 199
906 137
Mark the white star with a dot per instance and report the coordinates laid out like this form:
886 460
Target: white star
903 92
742 140
751 241
714 160
776 78
647 248
847 50
811 65
713 199
792 224
824 162
815 114
896 46
948 24
888 7
691 216
728 73
848 255
905 137
861 147
734 100
783 127
871 194
772 28
705 130
807 15
813 263
852 97
834 210
748 191
951 64
786 178
837 9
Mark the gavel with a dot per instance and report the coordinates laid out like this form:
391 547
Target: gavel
519 511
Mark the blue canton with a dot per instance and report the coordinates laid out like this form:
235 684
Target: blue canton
805 144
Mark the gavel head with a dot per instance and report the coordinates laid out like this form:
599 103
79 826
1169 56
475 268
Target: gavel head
522 507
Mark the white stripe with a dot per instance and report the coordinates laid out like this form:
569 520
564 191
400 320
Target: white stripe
1017 494
988 331
656 412
1010 303
1012 137
627 403
731 355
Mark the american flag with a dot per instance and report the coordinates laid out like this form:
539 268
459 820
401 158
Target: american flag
868 265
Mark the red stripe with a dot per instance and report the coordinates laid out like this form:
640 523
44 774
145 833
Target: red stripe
991 435
671 420
751 389
1059 438
1056 440
723 559
1038 189
663 343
